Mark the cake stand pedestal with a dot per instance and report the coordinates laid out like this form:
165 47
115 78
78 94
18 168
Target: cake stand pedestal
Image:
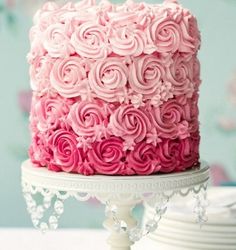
46 191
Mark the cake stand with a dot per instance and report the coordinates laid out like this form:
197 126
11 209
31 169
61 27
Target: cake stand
46 191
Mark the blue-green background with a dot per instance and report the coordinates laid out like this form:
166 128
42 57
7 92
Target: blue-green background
217 21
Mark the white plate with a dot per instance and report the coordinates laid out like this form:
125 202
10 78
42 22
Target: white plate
176 245
165 232
194 226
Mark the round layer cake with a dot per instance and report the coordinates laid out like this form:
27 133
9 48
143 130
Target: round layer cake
115 88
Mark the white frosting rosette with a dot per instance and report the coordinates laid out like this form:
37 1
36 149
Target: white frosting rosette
69 77
108 79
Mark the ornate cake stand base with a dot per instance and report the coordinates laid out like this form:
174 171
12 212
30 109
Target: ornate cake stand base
46 191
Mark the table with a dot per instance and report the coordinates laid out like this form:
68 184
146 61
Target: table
62 239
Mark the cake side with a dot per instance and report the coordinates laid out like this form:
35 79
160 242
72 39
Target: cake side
115 88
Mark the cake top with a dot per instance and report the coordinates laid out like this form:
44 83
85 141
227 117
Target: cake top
130 29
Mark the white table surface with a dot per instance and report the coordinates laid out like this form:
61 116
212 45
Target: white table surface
67 239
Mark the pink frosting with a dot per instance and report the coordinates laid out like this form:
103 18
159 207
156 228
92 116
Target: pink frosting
115 88
131 124
57 42
171 119
147 74
127 41
88 120
66 155
107 157
143 159
40 73
174 29
39 152
89 40
180 74
51 112
178 155
69 77
108 79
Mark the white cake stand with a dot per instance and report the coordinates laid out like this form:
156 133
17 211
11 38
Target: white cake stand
46 191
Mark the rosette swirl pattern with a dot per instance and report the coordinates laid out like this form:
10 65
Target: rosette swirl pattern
130 123
127 41
144 159
66 155
178 155
147 74
168 119
69 77
108 79
50 112
87 118
89 40
180 74
57 42
107 157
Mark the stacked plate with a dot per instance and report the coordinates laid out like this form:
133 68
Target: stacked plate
178 229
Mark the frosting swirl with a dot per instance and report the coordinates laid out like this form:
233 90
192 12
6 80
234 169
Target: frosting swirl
143 159
168 117
130 123
108 78
107 156
66 155
127 41
180 74
39 152
57 42
147 74
69 77
87 119
50 112
89 40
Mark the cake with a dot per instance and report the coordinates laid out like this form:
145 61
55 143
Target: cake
115 88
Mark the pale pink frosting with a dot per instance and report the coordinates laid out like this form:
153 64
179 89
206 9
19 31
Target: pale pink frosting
108 78
89 40
174 29
57 42
180 74
131 124
88 120
40 69
107 157
147 73
50 112
69 77
127 41
143 159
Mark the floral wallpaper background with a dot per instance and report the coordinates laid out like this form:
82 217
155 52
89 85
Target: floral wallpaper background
217 104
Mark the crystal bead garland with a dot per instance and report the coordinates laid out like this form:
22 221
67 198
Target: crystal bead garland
200 206
37 212
136 233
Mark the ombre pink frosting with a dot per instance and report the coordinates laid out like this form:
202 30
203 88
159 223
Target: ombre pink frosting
115 88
